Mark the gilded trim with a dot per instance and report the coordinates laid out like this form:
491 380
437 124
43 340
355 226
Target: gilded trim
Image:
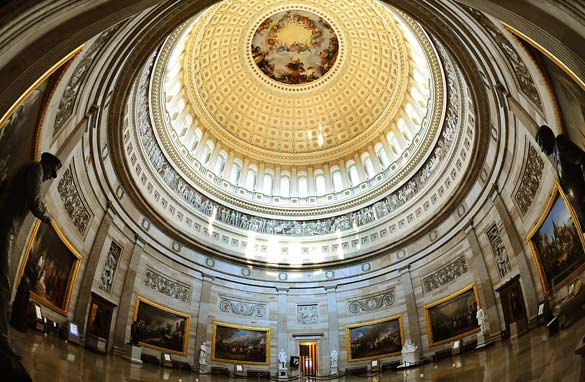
72 274
544 51
549 205
214 358
36 84
352 326
442 300
187 317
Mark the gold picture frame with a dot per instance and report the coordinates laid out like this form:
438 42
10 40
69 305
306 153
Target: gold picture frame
185 316
536 256
214 356
349 328
63 310
428 321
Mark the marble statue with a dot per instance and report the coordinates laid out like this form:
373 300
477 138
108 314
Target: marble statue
203 354
282 358
570 160
333 358
409 353
481 319
20 194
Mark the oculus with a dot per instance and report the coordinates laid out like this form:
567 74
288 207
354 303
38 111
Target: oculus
295 47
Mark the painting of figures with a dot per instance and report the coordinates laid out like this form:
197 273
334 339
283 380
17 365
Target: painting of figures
54 264
294 47
240 344
375 339
161 328
452 317
556 243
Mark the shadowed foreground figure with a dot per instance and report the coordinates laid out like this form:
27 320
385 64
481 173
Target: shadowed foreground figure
19 194
570 161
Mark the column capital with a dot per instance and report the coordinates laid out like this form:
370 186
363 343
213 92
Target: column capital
207 277
139 241
282 290
331 288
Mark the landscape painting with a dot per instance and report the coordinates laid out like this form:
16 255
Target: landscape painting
452 317
240 344
556 243
161 328
53 264
375 339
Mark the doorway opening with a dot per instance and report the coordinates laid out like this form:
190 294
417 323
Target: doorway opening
308 355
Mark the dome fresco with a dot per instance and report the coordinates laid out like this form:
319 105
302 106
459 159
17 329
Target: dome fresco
294 47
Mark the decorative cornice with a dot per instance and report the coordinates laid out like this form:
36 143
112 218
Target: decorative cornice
371 303
242 308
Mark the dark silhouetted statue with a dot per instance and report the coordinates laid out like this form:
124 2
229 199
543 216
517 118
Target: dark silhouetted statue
19 194
20 305
570 161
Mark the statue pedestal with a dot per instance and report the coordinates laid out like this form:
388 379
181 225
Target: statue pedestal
333 370
133 353
409 359
480 341
282 373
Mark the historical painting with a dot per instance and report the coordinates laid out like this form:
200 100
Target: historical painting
452 317
295 47
556 243
161 328
375 339
18 127
240 344
54 264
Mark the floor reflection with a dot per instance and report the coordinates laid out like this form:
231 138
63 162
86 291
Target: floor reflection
532 357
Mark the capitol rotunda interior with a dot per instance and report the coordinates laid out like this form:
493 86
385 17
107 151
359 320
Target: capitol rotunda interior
339 190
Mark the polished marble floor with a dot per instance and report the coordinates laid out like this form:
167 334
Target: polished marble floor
532 357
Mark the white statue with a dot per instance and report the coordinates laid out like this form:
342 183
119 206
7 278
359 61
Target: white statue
203 354
333 358
409 356
481 319
282 358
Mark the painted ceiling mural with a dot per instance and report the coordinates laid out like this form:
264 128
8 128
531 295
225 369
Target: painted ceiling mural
295 47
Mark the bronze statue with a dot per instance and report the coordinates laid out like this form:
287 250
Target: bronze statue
19 194
570 161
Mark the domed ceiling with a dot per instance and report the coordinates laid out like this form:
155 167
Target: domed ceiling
280 122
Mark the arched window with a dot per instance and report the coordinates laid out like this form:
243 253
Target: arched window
320 183
207 151
267 185
220 165
368 166
354 177
251 179
285 186
382 157
303 186
236 172
337 181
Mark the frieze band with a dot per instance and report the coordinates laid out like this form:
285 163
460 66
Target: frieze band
445 275
76 209
373 302
167 286
242 308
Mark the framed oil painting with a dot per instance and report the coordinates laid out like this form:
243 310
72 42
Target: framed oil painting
161 328
452 317
54 264
240 344
556 243
374 339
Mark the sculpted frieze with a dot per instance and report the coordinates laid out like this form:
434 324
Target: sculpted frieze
109 269
445 275
530 181
242 308
500 254
371 303
167 286
74 205
308 314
